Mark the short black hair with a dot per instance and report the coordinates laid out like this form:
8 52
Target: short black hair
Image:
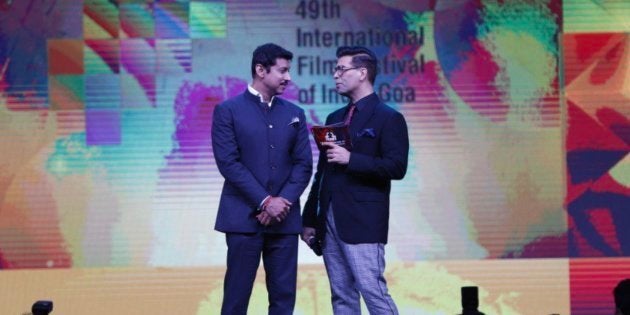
361 57
267 54
622 296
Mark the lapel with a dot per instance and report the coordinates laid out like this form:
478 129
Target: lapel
336 117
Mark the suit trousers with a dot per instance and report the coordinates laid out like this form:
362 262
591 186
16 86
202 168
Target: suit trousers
355 270
279 254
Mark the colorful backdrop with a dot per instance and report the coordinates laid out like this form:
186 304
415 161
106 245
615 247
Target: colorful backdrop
519 174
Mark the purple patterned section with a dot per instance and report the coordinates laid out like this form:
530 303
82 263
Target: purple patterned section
194 105
102 127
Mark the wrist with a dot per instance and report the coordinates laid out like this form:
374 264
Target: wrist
263 204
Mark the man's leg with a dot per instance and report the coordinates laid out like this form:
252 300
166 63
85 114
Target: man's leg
280 262
345 297
367 262
243 258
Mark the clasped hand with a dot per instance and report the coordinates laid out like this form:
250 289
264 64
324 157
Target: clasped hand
274 210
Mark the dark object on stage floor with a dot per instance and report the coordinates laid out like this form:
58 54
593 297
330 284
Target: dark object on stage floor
316 245
622 297
42 307
470 301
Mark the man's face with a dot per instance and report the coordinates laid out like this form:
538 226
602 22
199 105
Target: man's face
347 77
278 77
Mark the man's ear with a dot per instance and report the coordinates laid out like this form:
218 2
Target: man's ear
364 74
260 71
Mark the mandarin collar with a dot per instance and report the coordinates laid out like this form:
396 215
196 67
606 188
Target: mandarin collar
254 92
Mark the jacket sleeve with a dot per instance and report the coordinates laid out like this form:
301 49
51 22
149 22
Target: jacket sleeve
309 215
302 167
227 156
391 162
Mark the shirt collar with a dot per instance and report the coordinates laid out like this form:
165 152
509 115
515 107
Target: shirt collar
253 91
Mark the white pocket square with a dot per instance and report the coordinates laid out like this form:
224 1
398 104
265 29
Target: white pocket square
295 120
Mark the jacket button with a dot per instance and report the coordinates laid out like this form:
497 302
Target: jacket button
270 126
272 146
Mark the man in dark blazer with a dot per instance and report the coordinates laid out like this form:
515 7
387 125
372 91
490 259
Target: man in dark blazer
261 147
348 205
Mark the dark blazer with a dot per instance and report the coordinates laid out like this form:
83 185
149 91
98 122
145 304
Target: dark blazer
359 191
260 151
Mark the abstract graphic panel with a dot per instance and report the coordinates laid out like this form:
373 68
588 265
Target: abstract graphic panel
136 20
101 56
101 19
208 19
171 20
66 92
598 143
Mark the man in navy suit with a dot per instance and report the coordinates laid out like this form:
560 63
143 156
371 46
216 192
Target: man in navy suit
348 205
261 147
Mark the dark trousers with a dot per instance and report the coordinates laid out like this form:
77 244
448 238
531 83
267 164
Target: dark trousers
279 254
